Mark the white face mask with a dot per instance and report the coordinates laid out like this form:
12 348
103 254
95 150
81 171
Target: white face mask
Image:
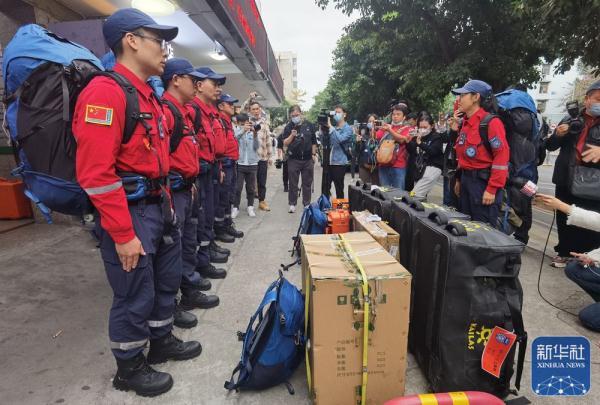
296 120
424 131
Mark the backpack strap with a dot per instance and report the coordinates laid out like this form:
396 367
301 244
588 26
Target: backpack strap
197 117
132 105
483 132
178 134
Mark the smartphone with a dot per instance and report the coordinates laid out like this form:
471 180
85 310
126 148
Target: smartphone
378 123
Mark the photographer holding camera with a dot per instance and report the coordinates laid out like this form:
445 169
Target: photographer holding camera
299 137
265 151
578 138
340 137
366 144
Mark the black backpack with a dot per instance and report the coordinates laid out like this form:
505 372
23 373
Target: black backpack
180 130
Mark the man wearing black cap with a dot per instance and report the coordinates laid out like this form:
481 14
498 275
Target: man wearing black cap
226 106
483 171
138 242
577 147
179 80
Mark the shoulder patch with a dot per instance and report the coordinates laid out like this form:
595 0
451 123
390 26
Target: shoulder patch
98 115
495 143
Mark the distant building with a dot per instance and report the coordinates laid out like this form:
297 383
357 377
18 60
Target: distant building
288 66
553 91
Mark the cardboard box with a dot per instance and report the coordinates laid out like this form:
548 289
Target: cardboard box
336 318
379 230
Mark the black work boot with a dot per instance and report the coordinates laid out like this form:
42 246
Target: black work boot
184 319
191 299
234 232
170 347
216 257
135 374
219 249
211 271
222 236
204 284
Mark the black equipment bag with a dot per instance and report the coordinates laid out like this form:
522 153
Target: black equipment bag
467 284
379 201
403 218
356 195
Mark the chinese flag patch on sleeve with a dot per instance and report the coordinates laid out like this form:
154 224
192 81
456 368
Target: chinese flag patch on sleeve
98 115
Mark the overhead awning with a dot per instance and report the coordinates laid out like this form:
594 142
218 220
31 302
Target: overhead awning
226 35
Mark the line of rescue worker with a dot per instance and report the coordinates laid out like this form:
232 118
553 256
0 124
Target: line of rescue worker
183 155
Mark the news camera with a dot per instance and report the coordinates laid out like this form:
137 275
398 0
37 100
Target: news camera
575 121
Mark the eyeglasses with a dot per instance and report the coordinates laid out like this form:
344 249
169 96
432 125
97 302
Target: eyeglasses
164 45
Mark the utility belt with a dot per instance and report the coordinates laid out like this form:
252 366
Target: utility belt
141 190
138 187
205 167
483 174
180 183
227 163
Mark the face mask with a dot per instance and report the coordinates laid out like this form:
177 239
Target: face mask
370 125
424 131
296 120
394 123
338 117
594 110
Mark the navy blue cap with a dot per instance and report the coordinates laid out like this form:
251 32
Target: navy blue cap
227 98
211 74
180 66
129 19
593 86
474 86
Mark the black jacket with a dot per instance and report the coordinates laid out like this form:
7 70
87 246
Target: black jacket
301 146
567 145
433 146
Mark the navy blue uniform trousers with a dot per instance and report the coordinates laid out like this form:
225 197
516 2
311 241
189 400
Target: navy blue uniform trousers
218 193
227 193
144 298
184 205
472 188
206 214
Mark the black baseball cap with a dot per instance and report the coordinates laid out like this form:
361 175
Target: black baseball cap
129 19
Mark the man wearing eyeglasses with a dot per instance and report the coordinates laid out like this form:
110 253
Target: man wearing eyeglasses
139 245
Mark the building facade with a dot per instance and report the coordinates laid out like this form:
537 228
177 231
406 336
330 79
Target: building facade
553 91
288 66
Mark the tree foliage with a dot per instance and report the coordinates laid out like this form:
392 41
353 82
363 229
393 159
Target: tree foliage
420 49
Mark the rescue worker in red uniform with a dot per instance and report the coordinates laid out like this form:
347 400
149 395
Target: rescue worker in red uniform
483 169
139 243
228 163
179 80
207 92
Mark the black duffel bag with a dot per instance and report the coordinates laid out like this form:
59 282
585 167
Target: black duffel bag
379 201
403 217
468 284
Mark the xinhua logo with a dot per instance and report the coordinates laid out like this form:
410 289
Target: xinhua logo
560 366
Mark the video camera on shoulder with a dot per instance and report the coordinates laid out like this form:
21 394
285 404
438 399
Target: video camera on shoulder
324 116
575 120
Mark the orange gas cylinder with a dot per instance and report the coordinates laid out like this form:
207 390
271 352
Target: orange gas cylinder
448 398
340 204
338 221
13 203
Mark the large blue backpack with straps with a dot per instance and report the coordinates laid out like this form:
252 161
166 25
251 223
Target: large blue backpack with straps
43 76
274 340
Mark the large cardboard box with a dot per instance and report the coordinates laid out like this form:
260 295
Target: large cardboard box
333 286
379 230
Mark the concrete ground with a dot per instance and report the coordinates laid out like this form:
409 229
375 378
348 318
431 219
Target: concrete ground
54 303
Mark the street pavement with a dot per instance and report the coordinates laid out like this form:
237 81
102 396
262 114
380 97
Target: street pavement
54 304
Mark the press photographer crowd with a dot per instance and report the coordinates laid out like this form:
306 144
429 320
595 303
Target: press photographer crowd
150 152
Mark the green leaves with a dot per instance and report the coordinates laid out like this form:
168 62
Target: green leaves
419 50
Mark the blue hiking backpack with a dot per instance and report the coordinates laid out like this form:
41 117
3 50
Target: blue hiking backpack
43 76
274 340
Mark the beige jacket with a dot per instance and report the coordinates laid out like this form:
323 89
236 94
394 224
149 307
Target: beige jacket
265 143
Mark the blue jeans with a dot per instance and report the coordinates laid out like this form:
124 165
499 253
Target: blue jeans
589 280
392 177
